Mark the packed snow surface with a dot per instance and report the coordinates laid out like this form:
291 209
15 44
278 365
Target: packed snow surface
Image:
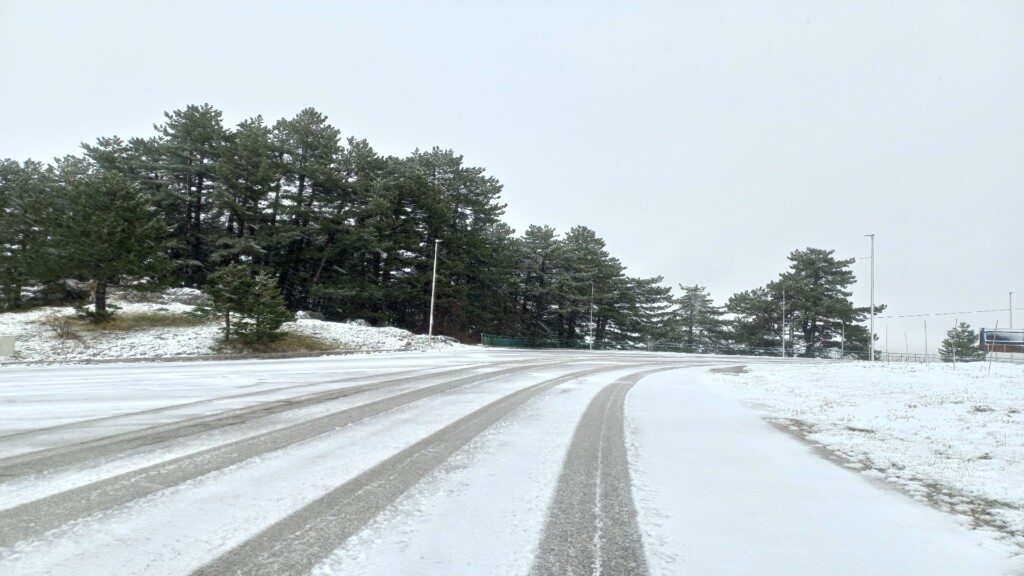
722 492
951 437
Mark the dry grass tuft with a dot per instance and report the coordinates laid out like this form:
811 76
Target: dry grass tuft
290 343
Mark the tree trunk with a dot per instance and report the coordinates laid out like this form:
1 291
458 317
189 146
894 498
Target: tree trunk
198 220
100 297
323 260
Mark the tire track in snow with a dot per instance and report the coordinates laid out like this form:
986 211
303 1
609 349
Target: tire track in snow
88 422
591 527
295 544
49 459
39 516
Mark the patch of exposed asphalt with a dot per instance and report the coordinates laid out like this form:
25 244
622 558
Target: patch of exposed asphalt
738 369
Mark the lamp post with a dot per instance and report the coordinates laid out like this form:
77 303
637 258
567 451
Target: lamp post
433 290
871 336
782 323
591 338
1011 310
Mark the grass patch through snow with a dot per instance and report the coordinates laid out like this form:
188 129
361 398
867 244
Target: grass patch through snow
289 343
139 321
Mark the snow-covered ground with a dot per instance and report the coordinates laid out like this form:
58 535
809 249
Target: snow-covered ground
888 469
36 341
718 490
949 437
746 499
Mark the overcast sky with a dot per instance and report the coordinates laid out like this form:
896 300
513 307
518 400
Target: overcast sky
704 141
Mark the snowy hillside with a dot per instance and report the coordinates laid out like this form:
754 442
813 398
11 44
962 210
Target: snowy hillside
38 341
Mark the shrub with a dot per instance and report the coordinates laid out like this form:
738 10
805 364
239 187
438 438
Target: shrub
61 326
250 303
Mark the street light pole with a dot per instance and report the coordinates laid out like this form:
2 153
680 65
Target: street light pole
591 315
871 336
1011 310
782 324
433 290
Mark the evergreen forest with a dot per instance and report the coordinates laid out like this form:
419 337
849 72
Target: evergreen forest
351 234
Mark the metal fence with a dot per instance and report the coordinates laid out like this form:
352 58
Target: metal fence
824 353
528 342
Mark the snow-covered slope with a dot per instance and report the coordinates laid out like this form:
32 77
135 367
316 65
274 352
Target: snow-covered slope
36 341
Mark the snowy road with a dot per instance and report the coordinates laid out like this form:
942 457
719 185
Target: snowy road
467 462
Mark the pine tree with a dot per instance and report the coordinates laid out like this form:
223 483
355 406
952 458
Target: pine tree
311 195
107 231
816 292
698 321
27 214
961 345
818 306
757 321
250 302
643 315
229 288
537 281
188 149
249 173
460 205
265 312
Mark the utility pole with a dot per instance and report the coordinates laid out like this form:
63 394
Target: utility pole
782 323
591 315
1011 310
433 290
871 337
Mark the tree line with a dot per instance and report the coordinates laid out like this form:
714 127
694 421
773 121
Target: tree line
349 233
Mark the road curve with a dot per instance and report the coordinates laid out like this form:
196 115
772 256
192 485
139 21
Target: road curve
49 459
38 516
295 544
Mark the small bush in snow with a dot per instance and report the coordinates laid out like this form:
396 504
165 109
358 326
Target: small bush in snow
61 326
